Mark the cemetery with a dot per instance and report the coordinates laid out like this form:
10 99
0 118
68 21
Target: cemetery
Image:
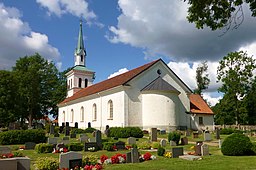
93 149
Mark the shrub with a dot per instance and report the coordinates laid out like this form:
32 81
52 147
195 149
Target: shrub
44 148
254 148
160 151
90 160
21 136
47 163
125 132
155 145
89 130
174 136
228 131
78 131
236 145
108 146
144 145
75 146
18 154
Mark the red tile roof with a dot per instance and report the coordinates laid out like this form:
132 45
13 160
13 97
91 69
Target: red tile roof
198 105
110 83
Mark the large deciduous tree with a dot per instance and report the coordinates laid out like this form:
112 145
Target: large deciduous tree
217 14
235 71
38 86
202 79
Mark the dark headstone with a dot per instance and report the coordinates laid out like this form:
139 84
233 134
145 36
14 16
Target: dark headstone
198 148
67 129
89 124
61 129
134 155
184 141
90 145
217 133
51 129
98 138
67 123
153 134
107 131
195 135
75 163
63 124
30 145
76 124
128 157
176 152
120 145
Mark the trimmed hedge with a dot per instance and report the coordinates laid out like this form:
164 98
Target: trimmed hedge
77 131
48 163
44 148
21 136
89 130
228 131
174 136
108 146
237 145
75 146
125 132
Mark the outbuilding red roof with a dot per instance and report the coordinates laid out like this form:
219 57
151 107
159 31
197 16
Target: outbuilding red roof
198 105
110 83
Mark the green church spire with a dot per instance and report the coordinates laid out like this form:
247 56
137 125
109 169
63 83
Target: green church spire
80 44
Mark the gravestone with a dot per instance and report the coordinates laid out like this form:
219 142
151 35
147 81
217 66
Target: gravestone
195 135
187 133
89 124
92 139
70 160
184 141
163 142
76 124
134 155
98 138
120 145
52 129
176 152
204 150
83 139
90 145
217 133
207 136
129 157
4 150
67 129
198 148
153 134
53 141
172 143
107 131
131 140
30 145
65 140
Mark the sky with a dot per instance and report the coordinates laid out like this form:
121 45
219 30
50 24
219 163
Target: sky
119 35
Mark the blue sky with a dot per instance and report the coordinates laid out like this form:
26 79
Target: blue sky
119 35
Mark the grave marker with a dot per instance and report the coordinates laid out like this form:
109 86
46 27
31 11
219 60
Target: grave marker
163 142
153 134
5 150
204 150
184 141
134 155
70 160
131 140
30 145
176 152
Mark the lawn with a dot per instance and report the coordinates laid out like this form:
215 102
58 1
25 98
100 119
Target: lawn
215 161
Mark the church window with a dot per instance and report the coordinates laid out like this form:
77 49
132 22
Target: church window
201 122
82 58
85 82
72 116
94 112
63 116
79 82
110 109
82 114
71 83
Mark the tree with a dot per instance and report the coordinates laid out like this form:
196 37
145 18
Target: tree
38 86
8 99
235 71
217 14
250 101
202 79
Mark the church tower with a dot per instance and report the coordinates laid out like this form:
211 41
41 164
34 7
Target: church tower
79 76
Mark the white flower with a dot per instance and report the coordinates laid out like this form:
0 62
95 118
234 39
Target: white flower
108 161
121 159
153 157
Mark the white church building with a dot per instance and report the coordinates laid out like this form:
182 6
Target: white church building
148 96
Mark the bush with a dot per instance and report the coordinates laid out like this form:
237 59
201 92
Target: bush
89 130
47 163
90 160
78 131
75 146
44 148
174 136
144 145
236 145
18 154
21 136
229 131
108 146
125 132
155 145
160 151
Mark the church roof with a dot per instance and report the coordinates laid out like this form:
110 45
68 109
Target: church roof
121 79
160 85
80 43
198 105
81 68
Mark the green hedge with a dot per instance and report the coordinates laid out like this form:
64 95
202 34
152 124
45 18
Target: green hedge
228 131
89 130
21 136
47 163
75 146
44 148
125 132
236 145
108 146
174 136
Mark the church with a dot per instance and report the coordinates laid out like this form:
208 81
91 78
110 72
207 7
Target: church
149 96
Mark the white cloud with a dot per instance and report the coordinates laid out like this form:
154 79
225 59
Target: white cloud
120 71
78 8
211 100
17 39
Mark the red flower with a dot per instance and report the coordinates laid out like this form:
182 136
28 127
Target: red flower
128 147
114 159
65 150
114 148
147 156
98 167
103 158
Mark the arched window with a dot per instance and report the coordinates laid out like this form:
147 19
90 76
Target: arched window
71 83
72 116
79 82
94 112
68 84
110 109
82 58
82 114
85 82
63 115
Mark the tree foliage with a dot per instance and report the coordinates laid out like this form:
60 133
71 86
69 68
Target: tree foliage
217 14
202 79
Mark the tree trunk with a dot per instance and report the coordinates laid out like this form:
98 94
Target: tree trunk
30 120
